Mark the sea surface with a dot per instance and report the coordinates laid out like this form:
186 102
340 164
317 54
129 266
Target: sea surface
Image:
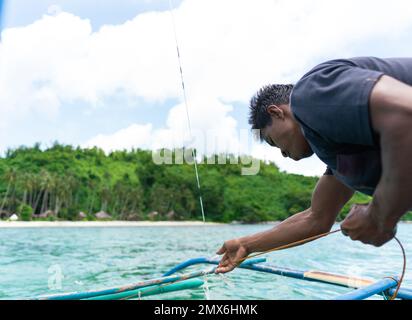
43 261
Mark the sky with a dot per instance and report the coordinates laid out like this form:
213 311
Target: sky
105 73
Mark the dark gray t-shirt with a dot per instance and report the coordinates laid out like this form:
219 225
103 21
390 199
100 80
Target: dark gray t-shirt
331 103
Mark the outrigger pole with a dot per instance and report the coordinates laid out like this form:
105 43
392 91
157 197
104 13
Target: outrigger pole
142 284
365 287
169 282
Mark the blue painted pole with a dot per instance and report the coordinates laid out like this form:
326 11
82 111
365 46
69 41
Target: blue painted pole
201 260
150 291
403 293
134 286
253 264
163 280
278 271
365 292
296 274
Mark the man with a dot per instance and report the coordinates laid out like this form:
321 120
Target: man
356 115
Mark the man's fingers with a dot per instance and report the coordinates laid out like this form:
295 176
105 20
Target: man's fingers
221 250
345 226
224 260
225 269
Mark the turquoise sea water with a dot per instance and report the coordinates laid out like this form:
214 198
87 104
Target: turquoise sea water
95 258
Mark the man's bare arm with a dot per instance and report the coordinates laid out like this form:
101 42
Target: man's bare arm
328 198
391 115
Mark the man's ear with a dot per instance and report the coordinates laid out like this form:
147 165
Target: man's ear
275 111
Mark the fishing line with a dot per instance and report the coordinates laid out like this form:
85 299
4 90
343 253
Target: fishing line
293 244
194 153
198 178
289 245
403 269
187 108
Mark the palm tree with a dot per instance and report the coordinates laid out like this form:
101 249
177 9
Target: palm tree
31 185
105 191
10 176
37 190
92 184
47 185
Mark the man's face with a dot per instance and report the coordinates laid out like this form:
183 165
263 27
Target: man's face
285 133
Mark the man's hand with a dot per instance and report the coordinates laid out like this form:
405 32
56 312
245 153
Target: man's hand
233 252
361 224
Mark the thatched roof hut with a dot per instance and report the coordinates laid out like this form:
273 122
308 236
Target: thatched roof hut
48 213
171 215
102 215
153 215
81 215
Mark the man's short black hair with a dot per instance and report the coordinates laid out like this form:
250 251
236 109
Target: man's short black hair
266 96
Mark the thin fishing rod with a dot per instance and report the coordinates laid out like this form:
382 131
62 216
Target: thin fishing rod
187 109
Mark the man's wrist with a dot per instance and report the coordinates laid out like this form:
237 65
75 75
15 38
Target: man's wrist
384 221
247 244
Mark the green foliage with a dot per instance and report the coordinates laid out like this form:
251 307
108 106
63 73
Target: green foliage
62 181
25 212
358 198
407 217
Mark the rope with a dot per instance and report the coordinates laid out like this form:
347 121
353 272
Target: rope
289 245
403 269
198 178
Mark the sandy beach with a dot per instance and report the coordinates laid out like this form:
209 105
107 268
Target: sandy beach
107 224
77 224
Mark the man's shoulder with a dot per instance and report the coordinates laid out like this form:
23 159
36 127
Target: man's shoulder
318 80
365 62
332 62
305 84
392 66
333 97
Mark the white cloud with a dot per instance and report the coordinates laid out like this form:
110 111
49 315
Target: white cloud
310 166
229 49
54 9
133 136
211 141
208 134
